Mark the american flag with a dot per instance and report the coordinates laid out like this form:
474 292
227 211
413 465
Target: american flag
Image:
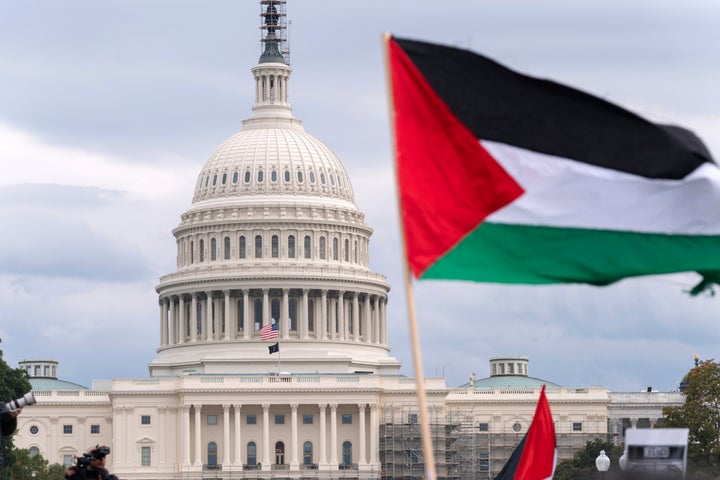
269 331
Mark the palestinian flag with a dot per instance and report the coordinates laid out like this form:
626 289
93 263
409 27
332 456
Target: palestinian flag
512 179
535 457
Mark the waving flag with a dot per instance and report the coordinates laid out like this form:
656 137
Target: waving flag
269 331
511 179
535 457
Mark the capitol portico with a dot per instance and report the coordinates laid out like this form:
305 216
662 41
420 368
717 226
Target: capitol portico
273 359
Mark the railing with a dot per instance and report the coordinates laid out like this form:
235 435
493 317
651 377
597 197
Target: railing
279 466
348 466
212 466
308 466
251 466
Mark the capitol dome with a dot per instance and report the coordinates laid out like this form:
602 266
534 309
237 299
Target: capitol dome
279 160
273 252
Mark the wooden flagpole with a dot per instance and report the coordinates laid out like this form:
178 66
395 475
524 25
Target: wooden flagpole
428 452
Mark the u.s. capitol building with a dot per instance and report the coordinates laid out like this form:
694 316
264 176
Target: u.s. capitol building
273 237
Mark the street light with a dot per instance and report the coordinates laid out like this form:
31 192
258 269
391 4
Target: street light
602 462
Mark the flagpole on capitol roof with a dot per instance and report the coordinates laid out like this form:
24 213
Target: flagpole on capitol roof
428 453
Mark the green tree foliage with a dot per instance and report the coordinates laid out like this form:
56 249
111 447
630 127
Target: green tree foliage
23 466
701 415
56 471
14 383
582 466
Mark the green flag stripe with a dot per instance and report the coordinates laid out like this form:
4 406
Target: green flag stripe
505 253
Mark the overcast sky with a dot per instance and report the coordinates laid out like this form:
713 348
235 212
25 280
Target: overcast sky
108 111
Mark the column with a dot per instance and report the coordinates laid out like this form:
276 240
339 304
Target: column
185 435
303 315
355 316
383 321
217 318
361 421
266 437
376 320
266 307
193 318
367 329
285 314
342 326
163 322
181 319
172 337
237 460
207 321
374 434
130 426
333 436
248 325
323 436
294 464
322 324
226 436
198 437
229 328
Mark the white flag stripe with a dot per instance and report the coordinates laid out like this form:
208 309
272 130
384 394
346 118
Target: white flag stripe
566 193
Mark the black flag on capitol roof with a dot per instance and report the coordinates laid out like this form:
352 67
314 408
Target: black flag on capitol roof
274 348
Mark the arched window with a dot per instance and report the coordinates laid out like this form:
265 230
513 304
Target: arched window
227 248
258 246
224 178
240 315
347 453
33 451
279 453
335 249
213 249
300 176
273 176
311 315
251 453
322 248
242 246
307 453
311 176
332 180
292 313
286 175
275 309
307 246
235 177
192 251
202 250
355 251
322 178
275 246
212 453
291 246
260 176
347 250
247 176
214 179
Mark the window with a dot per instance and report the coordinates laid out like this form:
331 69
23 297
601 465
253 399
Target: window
251 453
412 419
347 453
322 178
67 429
347 418
214 179
275 247
94 429
307 418
511 368
307 246
227 248
307 453
291 246
145 420
292 314
224 178
251 419
33 451
247 176
311 176
516 427
286 175
299 176
260 176
347 250
258 246
202 250
235 177
46 370
192 251
145 456
213 249
212 453
37 370
34 430
332 180
67 460
212 419
280 419
577 426
322 248
241 247
273 176
335 249
484 427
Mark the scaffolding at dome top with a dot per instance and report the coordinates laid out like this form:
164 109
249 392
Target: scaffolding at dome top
274 27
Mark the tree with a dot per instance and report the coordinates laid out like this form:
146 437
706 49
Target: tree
25 467
582 466
13 384
701 416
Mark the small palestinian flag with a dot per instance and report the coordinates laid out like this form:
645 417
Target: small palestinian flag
535 457
511 179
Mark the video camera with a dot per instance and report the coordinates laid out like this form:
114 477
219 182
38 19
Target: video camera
27 399
83 462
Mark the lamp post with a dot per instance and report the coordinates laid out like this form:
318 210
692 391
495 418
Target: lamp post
602 462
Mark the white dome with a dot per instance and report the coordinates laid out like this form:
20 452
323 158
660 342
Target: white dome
277 161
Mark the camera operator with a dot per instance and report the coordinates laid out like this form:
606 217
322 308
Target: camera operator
8 424
91 466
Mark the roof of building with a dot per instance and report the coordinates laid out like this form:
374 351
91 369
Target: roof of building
48 383
510 381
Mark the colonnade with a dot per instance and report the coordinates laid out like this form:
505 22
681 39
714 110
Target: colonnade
306 314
